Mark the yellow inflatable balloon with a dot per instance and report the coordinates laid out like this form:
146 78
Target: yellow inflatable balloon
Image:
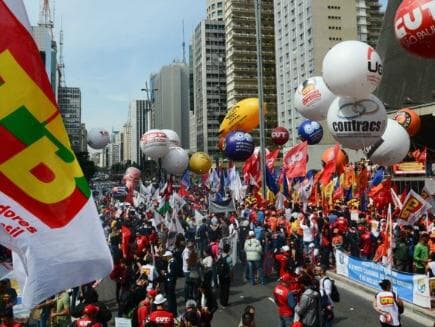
200 163
242 117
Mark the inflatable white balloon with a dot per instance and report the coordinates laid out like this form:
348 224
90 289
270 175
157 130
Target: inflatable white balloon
154 143
313 98
176 161
392 147
357 124
352 68
98 138
173 138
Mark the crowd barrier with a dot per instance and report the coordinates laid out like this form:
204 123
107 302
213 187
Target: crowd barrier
411 288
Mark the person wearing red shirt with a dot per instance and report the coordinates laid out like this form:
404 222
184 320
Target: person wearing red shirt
285 300
366 245
144 308
282 258
89 318
161 316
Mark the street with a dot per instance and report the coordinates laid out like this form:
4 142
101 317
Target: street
351 308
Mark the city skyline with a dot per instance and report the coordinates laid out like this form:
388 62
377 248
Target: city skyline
91 56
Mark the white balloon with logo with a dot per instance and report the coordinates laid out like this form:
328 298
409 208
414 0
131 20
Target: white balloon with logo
313 98
357 124
352 68
98 138
392 147
173 138
176 161
154 143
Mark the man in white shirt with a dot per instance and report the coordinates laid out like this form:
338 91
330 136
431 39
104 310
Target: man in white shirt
325 290
386 303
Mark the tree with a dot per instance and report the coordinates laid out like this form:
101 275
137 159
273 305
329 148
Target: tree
87 165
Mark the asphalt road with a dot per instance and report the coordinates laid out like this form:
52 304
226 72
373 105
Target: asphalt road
351 310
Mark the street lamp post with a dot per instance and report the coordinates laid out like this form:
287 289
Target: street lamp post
260 94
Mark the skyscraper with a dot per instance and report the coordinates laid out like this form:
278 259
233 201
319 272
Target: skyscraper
215 10
241 54
209 82
70 105
126 141
138 114
375 20
171 100
304 32
114 149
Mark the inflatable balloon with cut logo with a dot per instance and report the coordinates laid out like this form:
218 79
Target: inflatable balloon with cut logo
280 135
98 138
409 120
352 68
173 138
155 143
414 26
200 163
391 148
310 131
239 146
357 124
176 161
313 98
242 117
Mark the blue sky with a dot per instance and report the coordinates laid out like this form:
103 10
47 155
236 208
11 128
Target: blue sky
111 47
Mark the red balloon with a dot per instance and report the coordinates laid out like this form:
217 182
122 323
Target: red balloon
415 27
280 135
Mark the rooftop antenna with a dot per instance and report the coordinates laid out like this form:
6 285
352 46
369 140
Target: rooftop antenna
184 45
61 64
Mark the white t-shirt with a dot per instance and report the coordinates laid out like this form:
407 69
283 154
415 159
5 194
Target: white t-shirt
325 288
207 262
431 267
307 233
385 302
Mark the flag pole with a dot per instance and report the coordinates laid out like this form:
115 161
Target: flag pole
260 95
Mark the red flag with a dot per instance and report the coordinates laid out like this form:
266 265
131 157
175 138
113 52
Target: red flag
330 167
295 160
271 157
182 191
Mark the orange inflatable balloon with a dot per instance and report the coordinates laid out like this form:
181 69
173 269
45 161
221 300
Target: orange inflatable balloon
341 161
409 119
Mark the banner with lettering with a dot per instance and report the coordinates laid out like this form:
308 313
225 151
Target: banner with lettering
46 207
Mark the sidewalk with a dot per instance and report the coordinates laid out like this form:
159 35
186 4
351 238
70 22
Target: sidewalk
421 315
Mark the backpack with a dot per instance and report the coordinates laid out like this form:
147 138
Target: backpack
223 268
335 296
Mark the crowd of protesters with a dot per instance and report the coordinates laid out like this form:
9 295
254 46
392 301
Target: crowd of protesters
292 246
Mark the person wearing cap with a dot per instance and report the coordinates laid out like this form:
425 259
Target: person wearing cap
170 276
253 252
144 308
387 304
285 300
161 316
421 254
282 258
192 316
89 317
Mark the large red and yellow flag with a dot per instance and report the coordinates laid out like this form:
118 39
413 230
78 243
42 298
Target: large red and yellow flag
45 201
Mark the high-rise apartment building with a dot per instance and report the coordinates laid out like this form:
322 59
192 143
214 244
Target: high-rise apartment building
209 82
361 20
170 96
126 142
241 54
83 138
138 118
215 9
375 20
114 149
70 105
304 32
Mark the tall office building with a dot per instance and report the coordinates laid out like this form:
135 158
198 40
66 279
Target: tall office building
48 50
375 20
170 92
209 82
361 20
126 141
215 9
83 138
304 32
114 149
70 105
138 118
241 54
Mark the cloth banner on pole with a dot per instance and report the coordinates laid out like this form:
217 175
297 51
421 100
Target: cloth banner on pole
46 205
413 207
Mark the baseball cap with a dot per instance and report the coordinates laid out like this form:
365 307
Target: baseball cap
251 233
167 254
160 299
285 248
91 309
286 278
190 304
